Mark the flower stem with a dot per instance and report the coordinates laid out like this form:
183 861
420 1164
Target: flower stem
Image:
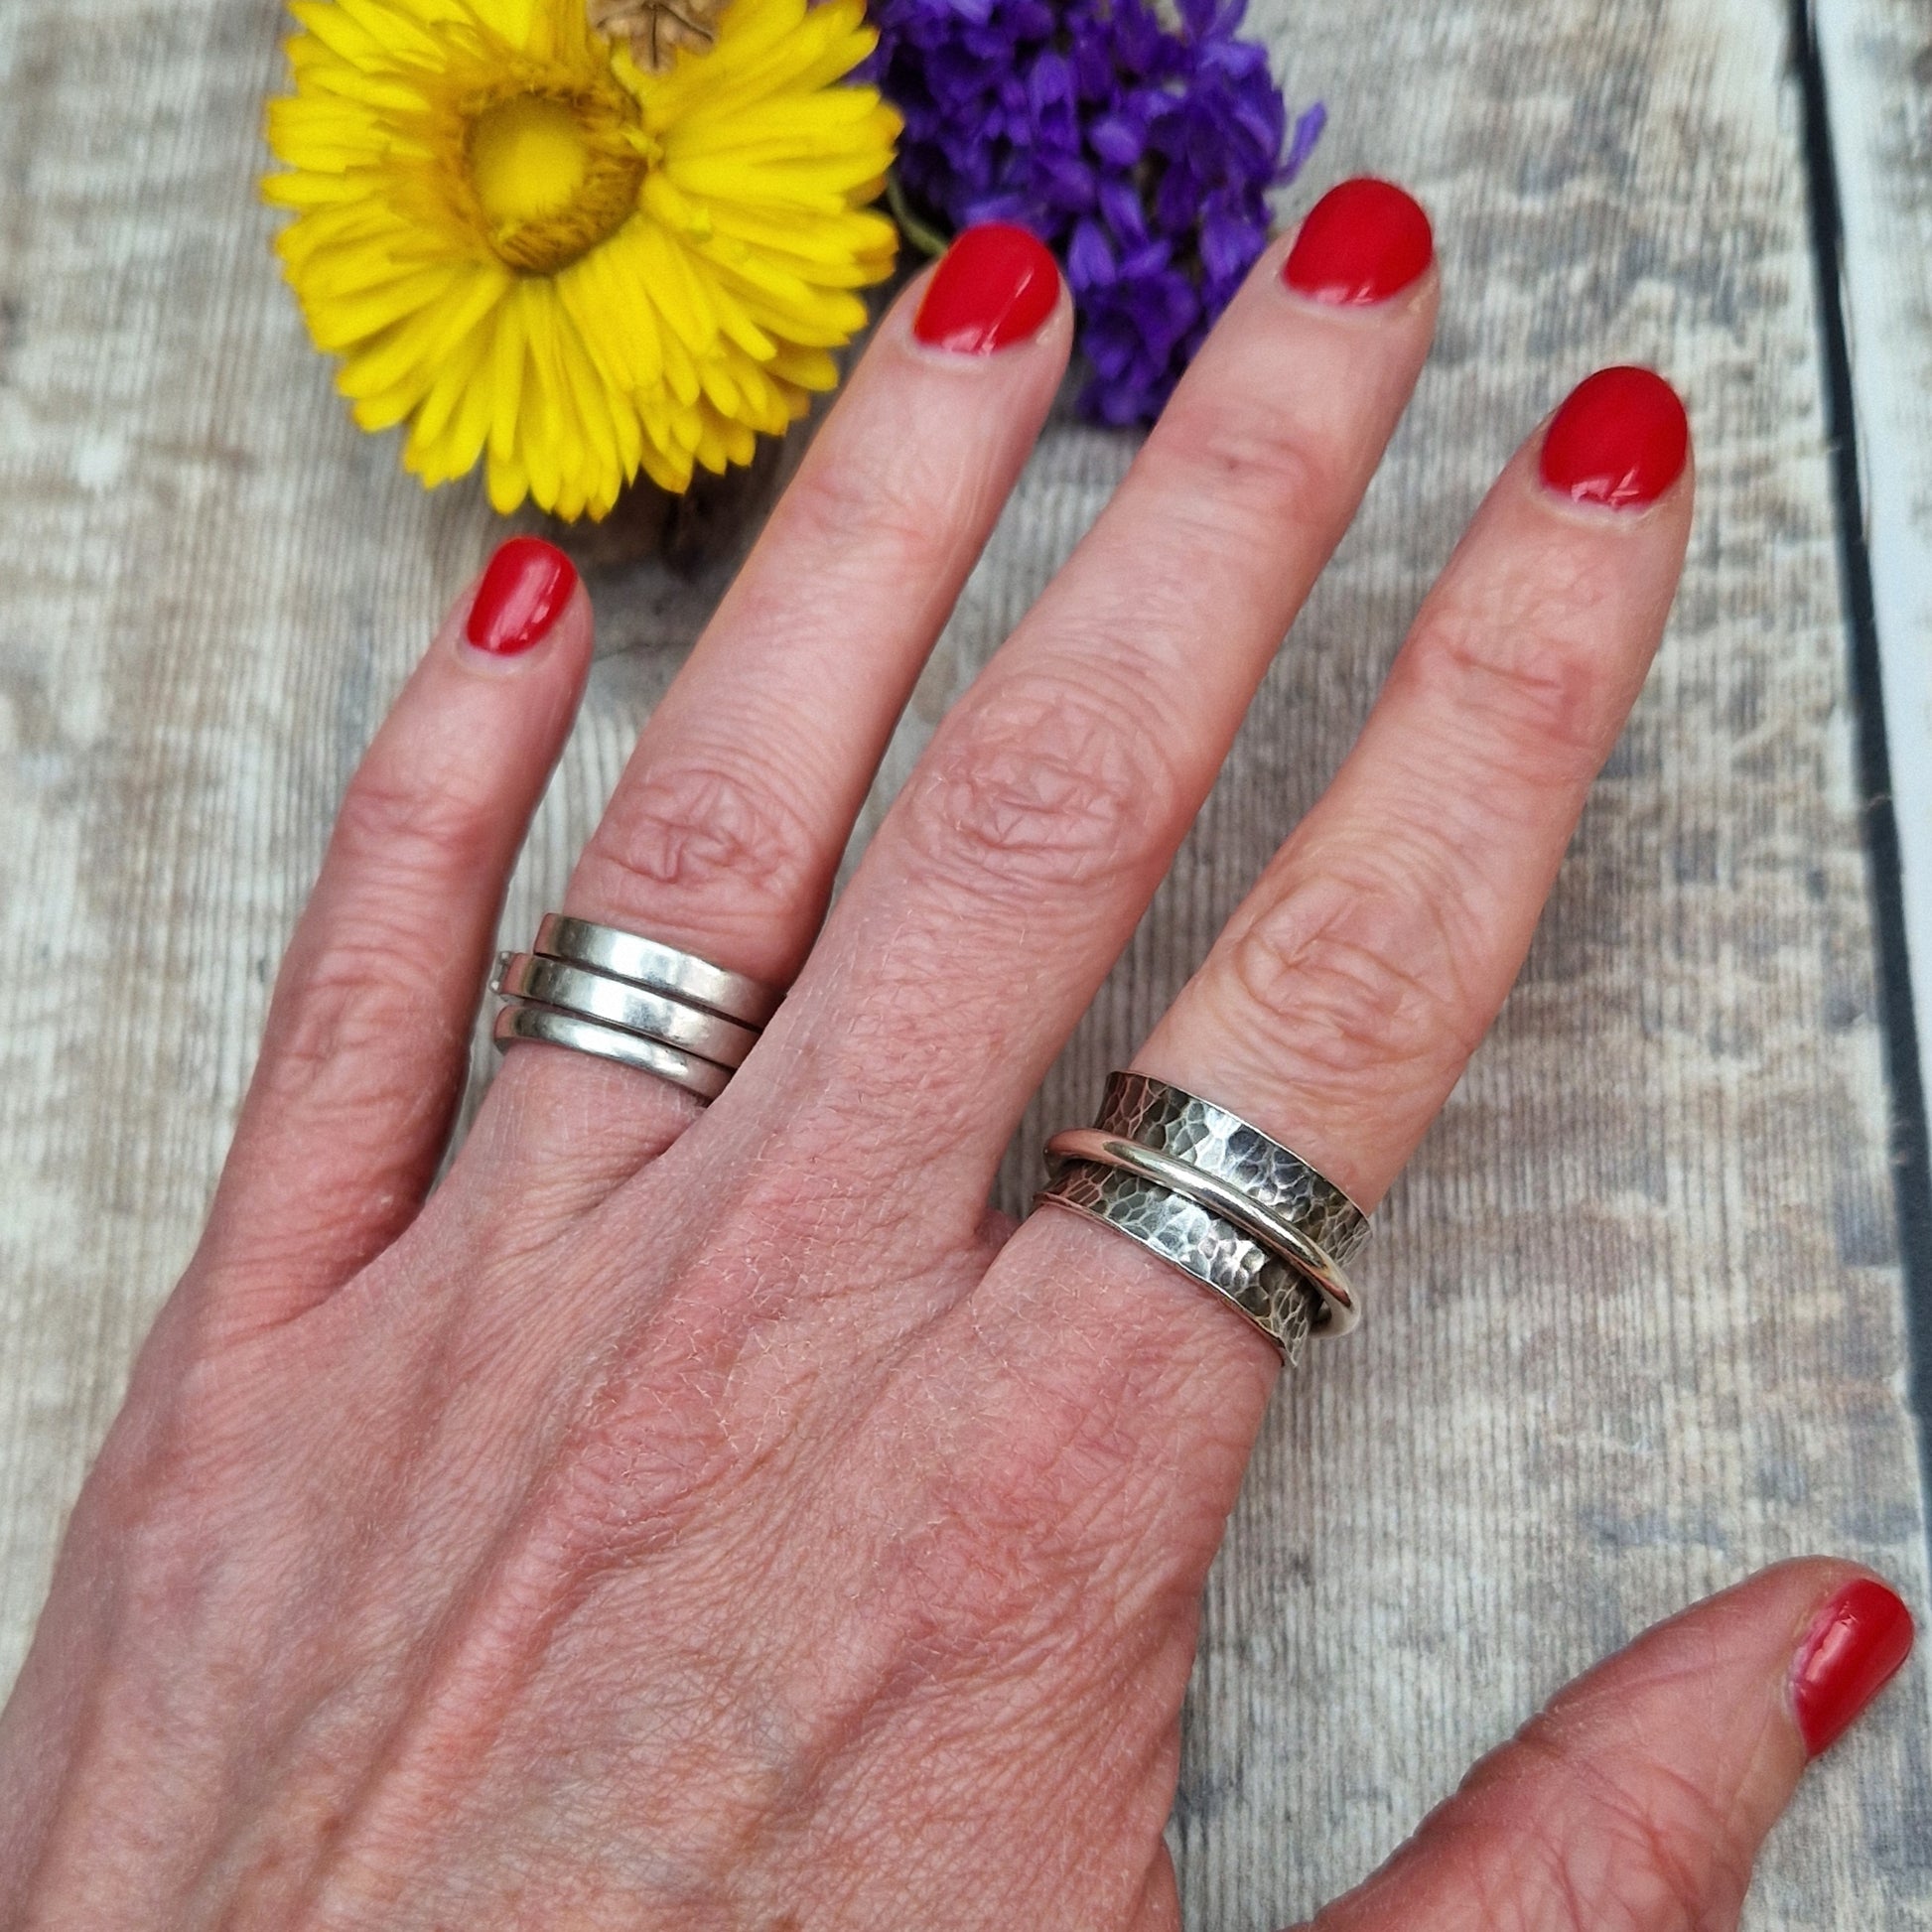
921 234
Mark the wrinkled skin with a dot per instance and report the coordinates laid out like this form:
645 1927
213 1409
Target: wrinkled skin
688 1520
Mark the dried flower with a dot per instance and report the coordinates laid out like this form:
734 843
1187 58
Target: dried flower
542 258
1140 151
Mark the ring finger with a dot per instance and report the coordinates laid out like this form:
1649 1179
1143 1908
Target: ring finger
725 830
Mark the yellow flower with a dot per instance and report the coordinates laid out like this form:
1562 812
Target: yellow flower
527 248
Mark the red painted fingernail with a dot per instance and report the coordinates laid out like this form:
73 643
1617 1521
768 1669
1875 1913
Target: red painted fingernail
1861 1639
522 594
997 285
1620 438
1362 243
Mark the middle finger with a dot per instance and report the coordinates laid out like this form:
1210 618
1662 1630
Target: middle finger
1025 847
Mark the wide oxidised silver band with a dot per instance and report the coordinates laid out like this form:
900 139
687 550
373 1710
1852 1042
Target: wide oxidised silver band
1220 1201
620 995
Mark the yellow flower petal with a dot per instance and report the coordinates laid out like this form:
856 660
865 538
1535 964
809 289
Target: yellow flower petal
620 272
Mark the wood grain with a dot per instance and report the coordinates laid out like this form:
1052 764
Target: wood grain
1878 61
1636 1323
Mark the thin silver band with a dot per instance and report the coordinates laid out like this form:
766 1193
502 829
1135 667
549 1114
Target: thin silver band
554 1029
614 1002
657 968
1340 1310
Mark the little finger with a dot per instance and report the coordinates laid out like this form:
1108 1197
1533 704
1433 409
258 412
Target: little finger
368 1031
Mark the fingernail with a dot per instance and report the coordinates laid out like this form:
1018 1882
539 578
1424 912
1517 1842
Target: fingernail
1859 1641
522 594
1362 243
997 285
1619 440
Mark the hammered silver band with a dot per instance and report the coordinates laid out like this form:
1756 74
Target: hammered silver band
1220 1201
1263 1286
1340 1311
621 997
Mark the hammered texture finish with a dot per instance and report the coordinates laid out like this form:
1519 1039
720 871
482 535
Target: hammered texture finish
1261 1286
1164 1117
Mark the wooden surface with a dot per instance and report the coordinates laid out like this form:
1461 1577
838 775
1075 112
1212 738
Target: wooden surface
1637 1316
1876 57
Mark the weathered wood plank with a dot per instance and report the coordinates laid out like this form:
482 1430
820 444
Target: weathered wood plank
1878 61
1637 1322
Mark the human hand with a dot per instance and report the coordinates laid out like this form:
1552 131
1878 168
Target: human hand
691 1519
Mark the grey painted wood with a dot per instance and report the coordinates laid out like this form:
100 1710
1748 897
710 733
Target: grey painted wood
1636 1317
1877 60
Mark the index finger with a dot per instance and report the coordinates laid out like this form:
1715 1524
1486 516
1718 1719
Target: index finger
1343 999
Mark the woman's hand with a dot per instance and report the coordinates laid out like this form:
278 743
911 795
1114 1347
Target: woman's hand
690 1520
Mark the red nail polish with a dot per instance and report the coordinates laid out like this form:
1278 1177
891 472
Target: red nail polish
1362 243
997 285
1620 438
522 594
1861 1639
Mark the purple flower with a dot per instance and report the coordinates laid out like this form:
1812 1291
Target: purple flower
1141 152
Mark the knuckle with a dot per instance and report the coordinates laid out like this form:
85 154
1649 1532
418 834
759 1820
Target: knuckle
425 823
641 1463
647 1450
1350 971
695 831
1246 470
177 1463
1048 785
367 980
341 1015
1532 697
656 1435
1613 1846
873 501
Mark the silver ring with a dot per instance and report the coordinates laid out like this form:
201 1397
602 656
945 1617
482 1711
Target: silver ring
657 968
555 1028
1339 1312
615 1003
1214 1195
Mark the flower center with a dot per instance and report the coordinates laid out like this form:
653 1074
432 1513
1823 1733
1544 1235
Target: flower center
553 175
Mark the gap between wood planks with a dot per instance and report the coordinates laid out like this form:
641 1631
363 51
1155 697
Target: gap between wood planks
1899 1029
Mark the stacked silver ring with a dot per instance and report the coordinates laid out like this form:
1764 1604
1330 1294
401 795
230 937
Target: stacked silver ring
1212 1194
625 998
